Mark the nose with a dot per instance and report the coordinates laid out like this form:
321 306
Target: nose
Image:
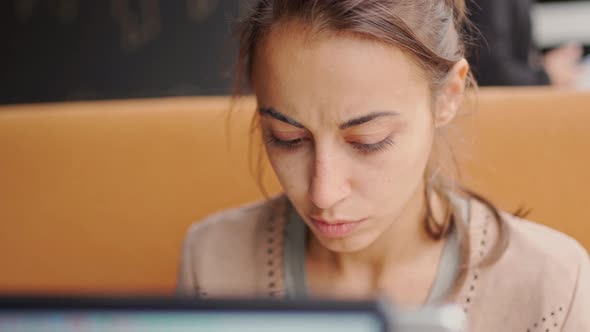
329 182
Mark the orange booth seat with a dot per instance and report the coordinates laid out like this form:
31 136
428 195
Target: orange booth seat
95 197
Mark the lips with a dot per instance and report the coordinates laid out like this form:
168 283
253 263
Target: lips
335 228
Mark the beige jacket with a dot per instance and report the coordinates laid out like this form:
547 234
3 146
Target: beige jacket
541 283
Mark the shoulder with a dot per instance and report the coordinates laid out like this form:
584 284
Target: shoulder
232 227
547 247
220 252
538 274
531 246
548 270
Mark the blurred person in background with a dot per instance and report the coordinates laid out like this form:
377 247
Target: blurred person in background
353 99
507 54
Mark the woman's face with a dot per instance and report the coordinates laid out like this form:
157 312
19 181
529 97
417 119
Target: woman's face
348 129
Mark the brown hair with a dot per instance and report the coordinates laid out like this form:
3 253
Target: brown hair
432 32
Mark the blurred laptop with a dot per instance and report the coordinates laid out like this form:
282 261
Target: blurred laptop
19 314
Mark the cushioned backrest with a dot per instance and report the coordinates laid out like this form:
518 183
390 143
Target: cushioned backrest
96 197
531 148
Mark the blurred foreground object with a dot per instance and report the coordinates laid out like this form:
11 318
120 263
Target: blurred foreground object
19 314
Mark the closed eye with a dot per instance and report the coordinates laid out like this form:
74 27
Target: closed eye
361 147
287 144
374 147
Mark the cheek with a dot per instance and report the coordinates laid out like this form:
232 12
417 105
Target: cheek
416 146
291 169
395 174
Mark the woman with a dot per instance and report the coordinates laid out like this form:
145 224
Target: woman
353 96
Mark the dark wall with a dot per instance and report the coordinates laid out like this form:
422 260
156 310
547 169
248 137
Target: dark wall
56 50
53 50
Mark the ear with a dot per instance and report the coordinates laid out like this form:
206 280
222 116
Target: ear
450 97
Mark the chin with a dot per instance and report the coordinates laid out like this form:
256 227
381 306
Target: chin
346 244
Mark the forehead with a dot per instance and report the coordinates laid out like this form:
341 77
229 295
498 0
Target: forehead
299 68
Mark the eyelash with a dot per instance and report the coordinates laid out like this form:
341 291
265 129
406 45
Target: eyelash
363 148
290 145
376 147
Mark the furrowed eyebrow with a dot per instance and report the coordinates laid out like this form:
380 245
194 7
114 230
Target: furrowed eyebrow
269 111
365 118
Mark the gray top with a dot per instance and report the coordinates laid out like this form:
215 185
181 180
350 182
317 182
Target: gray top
294 251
